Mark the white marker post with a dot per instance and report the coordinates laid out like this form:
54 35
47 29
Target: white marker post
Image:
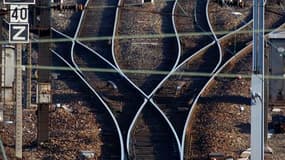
18 34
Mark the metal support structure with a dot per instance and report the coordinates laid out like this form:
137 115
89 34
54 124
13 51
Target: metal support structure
1 74
19 112
44 60
29 76
257 83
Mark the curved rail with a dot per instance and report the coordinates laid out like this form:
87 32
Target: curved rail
113 51
182 63
212 77
157 87
76 34
100 99
201 91
132 125
175 67
169 123
215 37
225 37
179 52
164 117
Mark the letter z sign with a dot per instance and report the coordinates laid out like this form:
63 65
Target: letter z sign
18 32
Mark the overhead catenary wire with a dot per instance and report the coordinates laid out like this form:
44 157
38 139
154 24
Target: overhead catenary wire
138 36
138 71
98 38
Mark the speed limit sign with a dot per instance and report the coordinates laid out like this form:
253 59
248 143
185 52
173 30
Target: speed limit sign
19 13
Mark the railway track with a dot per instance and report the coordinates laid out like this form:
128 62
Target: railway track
145 134
194 142
176 94
182 86
112 102
103 16
151 137
192 22
227 64
147 54
141 54
226 18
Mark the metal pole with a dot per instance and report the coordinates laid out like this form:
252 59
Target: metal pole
19 116
29 76
44 75
257 83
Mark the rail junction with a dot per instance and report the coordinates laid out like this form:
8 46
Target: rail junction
149 105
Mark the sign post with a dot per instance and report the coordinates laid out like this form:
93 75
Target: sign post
19 34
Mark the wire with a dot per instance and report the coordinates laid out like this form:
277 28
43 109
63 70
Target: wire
122 37
166 35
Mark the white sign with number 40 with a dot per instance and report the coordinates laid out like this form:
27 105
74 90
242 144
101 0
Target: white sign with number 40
19 13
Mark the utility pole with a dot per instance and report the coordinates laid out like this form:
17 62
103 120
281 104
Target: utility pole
44 86
258 115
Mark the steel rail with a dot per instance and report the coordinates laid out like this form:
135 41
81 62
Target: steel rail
169 123
192 56
77 69
76 34
182 63
215 37
100 99
179 51
213 71
94 52
156 88
201 91
113 51
132 125
211 78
